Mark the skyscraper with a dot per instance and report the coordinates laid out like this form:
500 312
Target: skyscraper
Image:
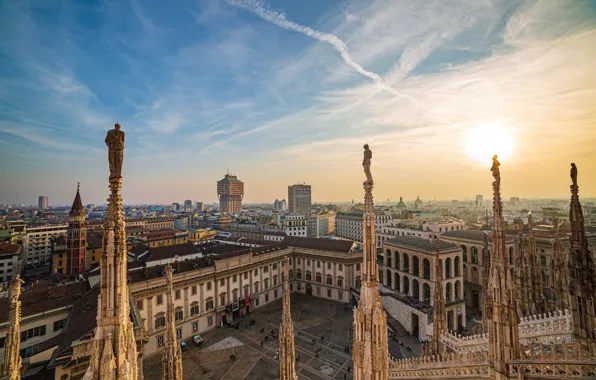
299 200
43 202
230 191
187 205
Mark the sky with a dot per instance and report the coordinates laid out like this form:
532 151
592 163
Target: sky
283 92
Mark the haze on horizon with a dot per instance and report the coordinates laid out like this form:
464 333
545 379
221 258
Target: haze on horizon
286 92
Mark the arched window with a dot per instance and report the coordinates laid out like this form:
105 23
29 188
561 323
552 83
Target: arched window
318 277
406 263
308 276
426 265
456 265
465 253
388 278
474 255
448 267
396 259
388 257
160 320
416 266
299 274
426 293
448 292
406 287
194 308
397 283
416 289
457 290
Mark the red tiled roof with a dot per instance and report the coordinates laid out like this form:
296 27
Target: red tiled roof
45 295
82 319
9 249
318 243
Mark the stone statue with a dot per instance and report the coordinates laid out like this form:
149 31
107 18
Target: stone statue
366 163
574 174
15 289
115 143
495 167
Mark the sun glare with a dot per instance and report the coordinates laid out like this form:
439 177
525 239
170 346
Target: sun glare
484 141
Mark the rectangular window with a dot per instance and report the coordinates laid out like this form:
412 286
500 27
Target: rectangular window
160 340
267 297
245 275
318 264
340 282
340 267
222 282
329 293
160 299
222 300
275 293
234 278
209 305
194 310
178 315
257 301
193 290
59 325
340 295
178 294
140 304
209 285
265 269
299 260
328 265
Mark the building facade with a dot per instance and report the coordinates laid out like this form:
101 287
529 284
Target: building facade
299 199
37 243
294 225
11 260
408 268
349 225
230 191
320 225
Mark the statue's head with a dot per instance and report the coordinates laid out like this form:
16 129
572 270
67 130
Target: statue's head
365 146
117 126
572 164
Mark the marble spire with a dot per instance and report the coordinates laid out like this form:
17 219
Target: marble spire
539 305
11 367
114 352
582 275
485 282
370 346
287 354
503 321
171 362
559 273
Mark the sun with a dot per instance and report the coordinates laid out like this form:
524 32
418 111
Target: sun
486 140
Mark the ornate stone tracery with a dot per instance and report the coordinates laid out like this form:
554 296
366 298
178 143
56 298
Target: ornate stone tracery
287 354
171 362
11 367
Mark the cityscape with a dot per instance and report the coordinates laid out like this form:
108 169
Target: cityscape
433 225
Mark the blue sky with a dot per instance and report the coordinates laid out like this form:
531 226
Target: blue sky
287 91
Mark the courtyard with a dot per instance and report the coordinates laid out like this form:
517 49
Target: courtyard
329 323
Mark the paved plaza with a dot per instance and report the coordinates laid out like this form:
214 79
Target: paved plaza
328 322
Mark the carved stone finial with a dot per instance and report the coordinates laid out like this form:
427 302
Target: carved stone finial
495 168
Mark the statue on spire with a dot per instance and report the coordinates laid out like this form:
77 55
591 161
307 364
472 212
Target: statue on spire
366 163
115 143
573 174
495 168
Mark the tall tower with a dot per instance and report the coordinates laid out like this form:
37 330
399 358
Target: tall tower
559 283
439 314
171 362
42 202
11 367
370 347
287 355
230 191
76 237
503 338
114 355
299 199
582 275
